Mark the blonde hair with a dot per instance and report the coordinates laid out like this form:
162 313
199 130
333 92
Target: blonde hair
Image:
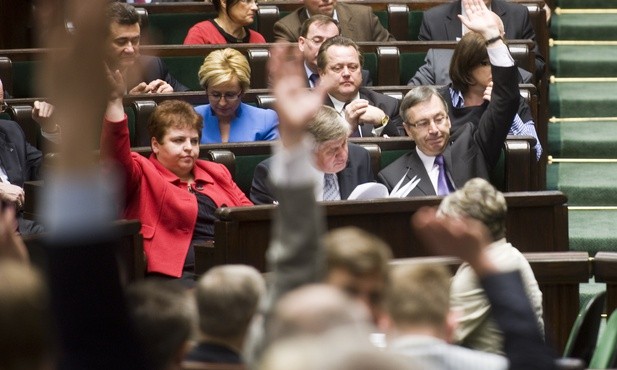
419 294
224 65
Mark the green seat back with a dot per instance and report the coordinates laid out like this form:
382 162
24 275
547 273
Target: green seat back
414 20
130 114
245 168
370 63
409 63
604 355
171 28
389 156
24 79
383 17
185 69
584 334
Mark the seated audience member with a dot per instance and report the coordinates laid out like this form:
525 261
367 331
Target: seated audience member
343 165
173 193
315 30
356 21
468 239
440 165
225 75
20 162
442 23
436 67
142 73
357 263
164 316
230 25
227 298
469 94
422 323
476 329
369 113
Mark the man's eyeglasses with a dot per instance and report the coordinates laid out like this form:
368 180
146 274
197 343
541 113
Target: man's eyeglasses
229 96
439 120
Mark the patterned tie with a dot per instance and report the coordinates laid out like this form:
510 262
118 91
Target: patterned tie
443 186
314 79
330 188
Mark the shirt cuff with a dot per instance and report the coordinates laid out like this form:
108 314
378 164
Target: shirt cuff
499 56
294 166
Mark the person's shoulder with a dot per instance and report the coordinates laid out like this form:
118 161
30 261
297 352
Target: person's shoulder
256 37
442 9
508 5
217 170
354 8
11 128
202 110
356 149
294 16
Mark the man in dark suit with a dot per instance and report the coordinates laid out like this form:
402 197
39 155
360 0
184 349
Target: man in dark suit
315 30
357 21
348 165
369 113
143 74
437 164
442 23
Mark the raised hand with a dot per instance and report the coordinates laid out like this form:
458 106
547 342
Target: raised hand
295 104
480 19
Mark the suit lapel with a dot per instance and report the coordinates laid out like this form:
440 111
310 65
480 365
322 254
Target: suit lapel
345 20
416 168
345 181
8 160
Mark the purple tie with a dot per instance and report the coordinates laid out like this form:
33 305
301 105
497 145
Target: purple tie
314 77
442 180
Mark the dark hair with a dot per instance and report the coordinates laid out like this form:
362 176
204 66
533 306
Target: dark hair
469 53
122 13
417 95
173 113
218 6
317 18
322 60
164 315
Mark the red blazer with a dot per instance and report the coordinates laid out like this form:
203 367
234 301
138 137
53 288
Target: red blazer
157 197
206 33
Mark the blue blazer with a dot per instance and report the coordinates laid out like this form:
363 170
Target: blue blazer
251 124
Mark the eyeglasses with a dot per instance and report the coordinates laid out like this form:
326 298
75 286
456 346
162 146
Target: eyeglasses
229 96
439 120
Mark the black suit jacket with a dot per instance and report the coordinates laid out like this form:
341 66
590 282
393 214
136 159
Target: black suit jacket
358 171
477 147
510 307
441 23
148 69
387 104
20 160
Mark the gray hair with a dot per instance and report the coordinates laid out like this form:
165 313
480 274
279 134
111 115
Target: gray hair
328 125
480 200
417 95
227 298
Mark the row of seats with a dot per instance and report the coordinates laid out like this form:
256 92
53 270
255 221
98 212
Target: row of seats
169 23
392 63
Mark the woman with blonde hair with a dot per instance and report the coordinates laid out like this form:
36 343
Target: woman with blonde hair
225 75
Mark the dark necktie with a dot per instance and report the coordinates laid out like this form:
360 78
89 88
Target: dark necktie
314 79
443 186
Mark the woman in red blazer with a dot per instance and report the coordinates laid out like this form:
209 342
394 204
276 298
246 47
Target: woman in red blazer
173 193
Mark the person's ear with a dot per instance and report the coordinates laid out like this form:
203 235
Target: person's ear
154 144
301 43
451 325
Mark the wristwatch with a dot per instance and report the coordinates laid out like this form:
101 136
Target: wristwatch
384 121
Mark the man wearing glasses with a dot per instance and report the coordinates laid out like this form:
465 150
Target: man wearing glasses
369 113
438 165
313 33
